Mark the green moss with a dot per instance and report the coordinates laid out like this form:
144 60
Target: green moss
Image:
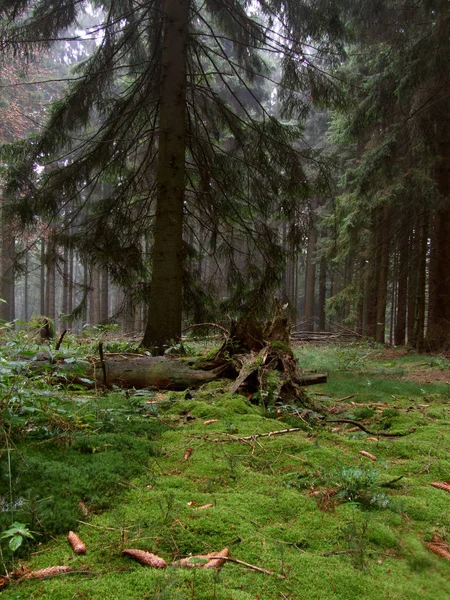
262 493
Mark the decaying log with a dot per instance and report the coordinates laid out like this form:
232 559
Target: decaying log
139 372
256 355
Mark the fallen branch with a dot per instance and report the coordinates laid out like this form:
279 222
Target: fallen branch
345 398
391 482
248 438
102 362
60 341
361 426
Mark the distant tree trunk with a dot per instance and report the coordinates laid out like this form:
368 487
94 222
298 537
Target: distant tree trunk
50 287
383 273
402 290
310 283
322 293
438 329
7 290
42 278
413 265
94 296
372 279
165 300
104 302
419 321
26 286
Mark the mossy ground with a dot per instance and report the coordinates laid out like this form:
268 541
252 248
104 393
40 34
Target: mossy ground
274 499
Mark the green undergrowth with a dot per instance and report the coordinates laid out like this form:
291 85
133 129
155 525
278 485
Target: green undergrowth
322 519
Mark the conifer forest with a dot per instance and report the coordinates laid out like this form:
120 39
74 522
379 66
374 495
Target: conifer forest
170 163
224 299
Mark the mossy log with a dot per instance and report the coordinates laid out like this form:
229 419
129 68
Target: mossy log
256 356
139 372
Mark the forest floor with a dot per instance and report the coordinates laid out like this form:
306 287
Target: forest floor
329 510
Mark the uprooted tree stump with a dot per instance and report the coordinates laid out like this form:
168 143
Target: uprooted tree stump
261 361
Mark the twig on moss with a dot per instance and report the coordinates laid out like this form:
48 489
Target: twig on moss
249 566
248 438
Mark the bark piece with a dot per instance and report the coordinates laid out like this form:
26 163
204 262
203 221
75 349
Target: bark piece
146 558
78 546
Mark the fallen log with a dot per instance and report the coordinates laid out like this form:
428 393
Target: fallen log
161 372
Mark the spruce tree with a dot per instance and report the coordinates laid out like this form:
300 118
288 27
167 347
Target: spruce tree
167 112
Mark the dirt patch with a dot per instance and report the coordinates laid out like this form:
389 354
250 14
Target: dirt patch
429 376
392 353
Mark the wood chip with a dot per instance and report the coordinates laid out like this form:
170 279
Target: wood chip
210 421
146 558
78 546
368 455
372 439
205 506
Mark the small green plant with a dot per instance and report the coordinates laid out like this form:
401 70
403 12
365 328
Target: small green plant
16 534
360 486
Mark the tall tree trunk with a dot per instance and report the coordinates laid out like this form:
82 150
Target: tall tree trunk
165 299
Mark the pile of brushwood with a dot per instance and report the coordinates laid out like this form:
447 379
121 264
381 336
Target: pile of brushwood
256 355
